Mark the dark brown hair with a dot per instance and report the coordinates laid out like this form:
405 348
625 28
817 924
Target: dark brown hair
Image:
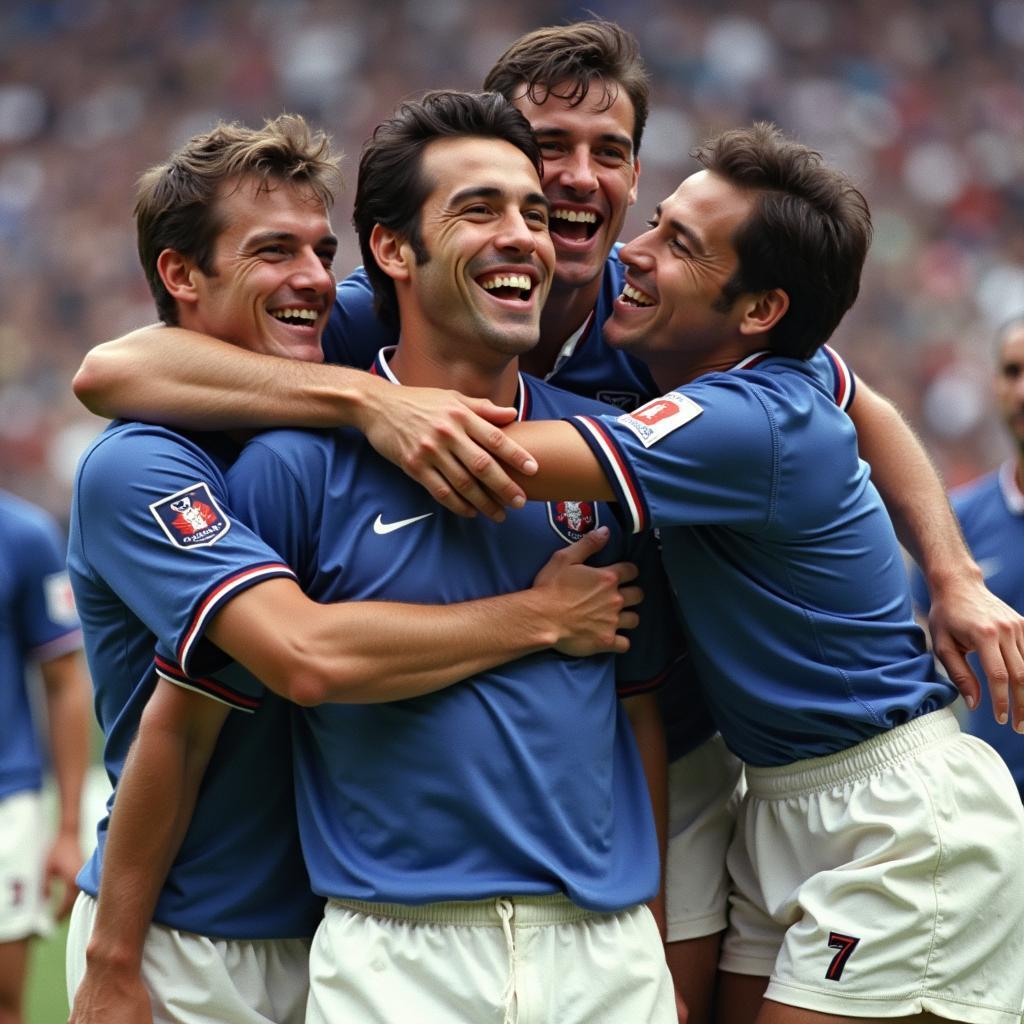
176 202
808 233
568 60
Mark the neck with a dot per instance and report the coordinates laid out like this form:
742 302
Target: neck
671 369
565 312
486 375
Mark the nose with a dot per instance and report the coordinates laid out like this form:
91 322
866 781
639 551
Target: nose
637 253
577 171
516 235
310 273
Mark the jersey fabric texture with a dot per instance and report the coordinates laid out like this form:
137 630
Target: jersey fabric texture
37 623
154 552
991 514
784 561
522 780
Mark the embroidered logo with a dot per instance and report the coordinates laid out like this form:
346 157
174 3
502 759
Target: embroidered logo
381 528
572 519
623 399
846 944
191 518
658 418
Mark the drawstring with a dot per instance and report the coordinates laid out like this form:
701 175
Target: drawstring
505 911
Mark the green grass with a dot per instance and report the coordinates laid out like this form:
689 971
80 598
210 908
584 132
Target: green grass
46 999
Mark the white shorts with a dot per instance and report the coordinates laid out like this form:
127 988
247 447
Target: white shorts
704 791
23 910
192 979
884 881
531 960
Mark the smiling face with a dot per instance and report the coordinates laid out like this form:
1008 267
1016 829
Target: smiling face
1010 383
272 287
671 312
484 226
590 176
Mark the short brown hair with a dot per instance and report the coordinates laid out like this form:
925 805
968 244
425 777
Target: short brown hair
175 206
808 232
576 57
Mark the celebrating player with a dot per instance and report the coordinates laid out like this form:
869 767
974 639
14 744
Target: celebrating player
235 240
872 829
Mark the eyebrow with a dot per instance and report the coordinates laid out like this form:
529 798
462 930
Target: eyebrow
691 236
266 237
493 192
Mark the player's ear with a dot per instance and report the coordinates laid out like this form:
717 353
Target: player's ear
392 252
178 275
763 310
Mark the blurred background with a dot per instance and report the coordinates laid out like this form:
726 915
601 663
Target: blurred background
922 101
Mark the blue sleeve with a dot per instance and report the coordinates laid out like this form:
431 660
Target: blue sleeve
919 590
355 334
155 526
47 625
706 454
656 646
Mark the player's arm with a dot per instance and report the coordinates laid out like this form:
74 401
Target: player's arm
66 691
375 651
567 468
155 799
450 444
965 615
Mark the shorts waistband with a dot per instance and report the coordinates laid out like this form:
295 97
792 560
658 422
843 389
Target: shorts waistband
524 910
865 758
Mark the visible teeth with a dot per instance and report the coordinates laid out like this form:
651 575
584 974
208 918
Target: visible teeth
575 216
296 314
637 297
520 281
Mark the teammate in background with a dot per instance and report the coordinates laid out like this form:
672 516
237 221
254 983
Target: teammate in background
235 240
585 91
487 850
991 514
872 828
38 625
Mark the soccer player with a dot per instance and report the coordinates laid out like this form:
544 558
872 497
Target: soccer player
37 625
872 829
486 850
991 514
235 240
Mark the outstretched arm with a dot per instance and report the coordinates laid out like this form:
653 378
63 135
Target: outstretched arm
965 615
451 445
67 712
374 651
155 798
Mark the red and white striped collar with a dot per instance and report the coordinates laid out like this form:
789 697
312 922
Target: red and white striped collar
752 360
1012 494
382 368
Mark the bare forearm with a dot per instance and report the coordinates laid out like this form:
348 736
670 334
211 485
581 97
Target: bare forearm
67 708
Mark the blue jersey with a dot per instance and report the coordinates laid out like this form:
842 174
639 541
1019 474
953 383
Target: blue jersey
991 514
37 623
587 366
784 561
153 555
522 780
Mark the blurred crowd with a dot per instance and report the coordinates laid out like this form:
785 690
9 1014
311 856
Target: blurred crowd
922 101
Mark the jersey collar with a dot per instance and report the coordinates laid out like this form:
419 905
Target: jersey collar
571 344
1012 494
381 368
752 360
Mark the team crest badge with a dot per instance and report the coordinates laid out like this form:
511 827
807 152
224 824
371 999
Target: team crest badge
657 419
191 518
572 519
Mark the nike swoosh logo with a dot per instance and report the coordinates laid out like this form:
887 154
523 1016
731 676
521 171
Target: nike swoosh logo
382 528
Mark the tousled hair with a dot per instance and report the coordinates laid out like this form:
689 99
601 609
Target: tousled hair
392 188
808 233
176 202
567 61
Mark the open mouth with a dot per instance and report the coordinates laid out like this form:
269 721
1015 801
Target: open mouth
634 297
511 287
574 225
295 317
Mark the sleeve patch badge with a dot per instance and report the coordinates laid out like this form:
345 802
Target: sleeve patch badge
60 602
572 519
659 417
191 518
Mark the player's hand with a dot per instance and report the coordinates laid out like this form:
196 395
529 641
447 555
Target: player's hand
451 445
63 863
589 604
967 616
111 997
